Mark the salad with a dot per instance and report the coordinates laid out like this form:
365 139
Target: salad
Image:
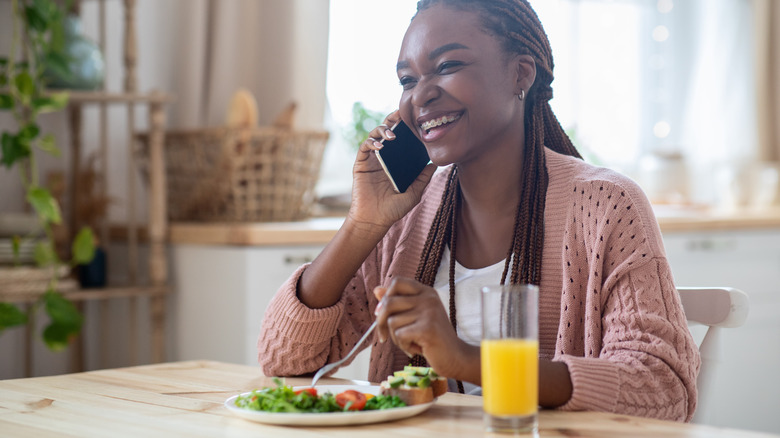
283 398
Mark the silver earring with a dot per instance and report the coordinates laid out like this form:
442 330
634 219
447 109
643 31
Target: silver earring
521 96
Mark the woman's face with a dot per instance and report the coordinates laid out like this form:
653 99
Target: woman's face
459 88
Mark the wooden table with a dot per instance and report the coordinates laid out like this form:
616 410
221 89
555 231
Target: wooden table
186 399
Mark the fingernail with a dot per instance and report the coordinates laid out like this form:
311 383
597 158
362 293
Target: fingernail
378 145
378 308
390 134
409 354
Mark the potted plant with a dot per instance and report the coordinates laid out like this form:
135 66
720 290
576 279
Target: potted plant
363 121
37 30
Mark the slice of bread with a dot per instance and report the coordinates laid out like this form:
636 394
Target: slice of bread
242 111
408 394
415 385
439 386
438 383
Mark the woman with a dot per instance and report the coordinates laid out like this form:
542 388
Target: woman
514 203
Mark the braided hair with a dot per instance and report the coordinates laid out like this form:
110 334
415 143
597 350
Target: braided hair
518 29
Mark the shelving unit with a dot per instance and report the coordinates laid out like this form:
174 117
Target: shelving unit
153 233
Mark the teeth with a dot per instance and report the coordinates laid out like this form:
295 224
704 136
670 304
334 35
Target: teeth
438 122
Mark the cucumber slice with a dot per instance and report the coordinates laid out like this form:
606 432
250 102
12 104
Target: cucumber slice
396 382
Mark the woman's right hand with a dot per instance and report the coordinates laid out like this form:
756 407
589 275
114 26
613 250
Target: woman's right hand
374 202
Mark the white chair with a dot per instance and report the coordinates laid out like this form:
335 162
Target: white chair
715 308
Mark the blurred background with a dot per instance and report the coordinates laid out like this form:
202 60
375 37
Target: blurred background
681 95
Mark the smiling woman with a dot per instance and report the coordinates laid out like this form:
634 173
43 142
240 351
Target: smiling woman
512 202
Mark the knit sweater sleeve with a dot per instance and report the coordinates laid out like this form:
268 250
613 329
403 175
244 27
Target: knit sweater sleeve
623 333
296 339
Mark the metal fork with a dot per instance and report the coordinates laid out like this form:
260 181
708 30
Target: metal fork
324 370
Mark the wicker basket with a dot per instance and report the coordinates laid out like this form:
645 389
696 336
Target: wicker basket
258 175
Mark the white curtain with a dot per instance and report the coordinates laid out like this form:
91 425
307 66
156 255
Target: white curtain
720 104
203 50
720 130
767 17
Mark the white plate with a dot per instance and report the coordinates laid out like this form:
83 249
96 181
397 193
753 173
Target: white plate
328 418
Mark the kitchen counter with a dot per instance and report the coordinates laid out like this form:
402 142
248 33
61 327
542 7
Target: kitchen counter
320 230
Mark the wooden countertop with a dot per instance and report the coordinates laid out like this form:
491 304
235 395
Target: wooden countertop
186 399
319 231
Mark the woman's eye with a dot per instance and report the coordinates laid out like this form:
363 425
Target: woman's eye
448 66
406 82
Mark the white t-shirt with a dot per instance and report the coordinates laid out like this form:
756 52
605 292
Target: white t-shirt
468 298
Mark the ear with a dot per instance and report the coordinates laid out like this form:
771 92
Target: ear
525 69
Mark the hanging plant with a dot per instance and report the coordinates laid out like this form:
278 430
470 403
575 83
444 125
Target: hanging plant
36 39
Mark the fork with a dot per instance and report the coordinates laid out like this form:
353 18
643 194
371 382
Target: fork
324 370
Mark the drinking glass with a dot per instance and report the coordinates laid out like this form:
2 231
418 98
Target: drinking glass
510 358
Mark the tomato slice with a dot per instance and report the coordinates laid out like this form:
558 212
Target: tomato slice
357 399
311 391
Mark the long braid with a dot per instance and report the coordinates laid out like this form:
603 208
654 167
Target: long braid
515 24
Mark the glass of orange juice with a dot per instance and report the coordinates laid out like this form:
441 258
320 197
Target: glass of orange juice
510 358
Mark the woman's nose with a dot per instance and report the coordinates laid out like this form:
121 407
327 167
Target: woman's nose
424 93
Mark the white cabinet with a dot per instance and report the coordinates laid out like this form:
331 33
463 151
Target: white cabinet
222 292
747 380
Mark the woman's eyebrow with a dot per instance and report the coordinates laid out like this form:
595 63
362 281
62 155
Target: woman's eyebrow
434 53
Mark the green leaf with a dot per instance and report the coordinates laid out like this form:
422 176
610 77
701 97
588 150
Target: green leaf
16 243
47 144
3 61
45 255
11 316
56 336
65 319
83 247
52 102
44 204
13 150
6 101
35 19
24 83
61 310
58 64
28 133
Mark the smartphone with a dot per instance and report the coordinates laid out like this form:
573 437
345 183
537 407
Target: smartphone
403 158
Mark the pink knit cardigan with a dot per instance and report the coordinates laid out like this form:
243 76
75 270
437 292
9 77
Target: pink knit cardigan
608 307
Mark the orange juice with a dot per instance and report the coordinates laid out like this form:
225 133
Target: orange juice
510 376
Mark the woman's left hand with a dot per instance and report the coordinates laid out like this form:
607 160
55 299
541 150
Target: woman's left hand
412 315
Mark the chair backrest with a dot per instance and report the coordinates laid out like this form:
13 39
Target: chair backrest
716 308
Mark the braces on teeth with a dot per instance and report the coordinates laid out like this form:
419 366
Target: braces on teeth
438 122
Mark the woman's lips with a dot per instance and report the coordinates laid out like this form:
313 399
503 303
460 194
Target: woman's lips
434 129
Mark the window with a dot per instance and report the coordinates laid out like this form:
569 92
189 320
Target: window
365 37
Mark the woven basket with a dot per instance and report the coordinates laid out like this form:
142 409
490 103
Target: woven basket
235 175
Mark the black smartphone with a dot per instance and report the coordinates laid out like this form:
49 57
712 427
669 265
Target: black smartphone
403 158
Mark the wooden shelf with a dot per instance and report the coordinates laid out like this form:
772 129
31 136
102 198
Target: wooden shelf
152 233
87 97
111 292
